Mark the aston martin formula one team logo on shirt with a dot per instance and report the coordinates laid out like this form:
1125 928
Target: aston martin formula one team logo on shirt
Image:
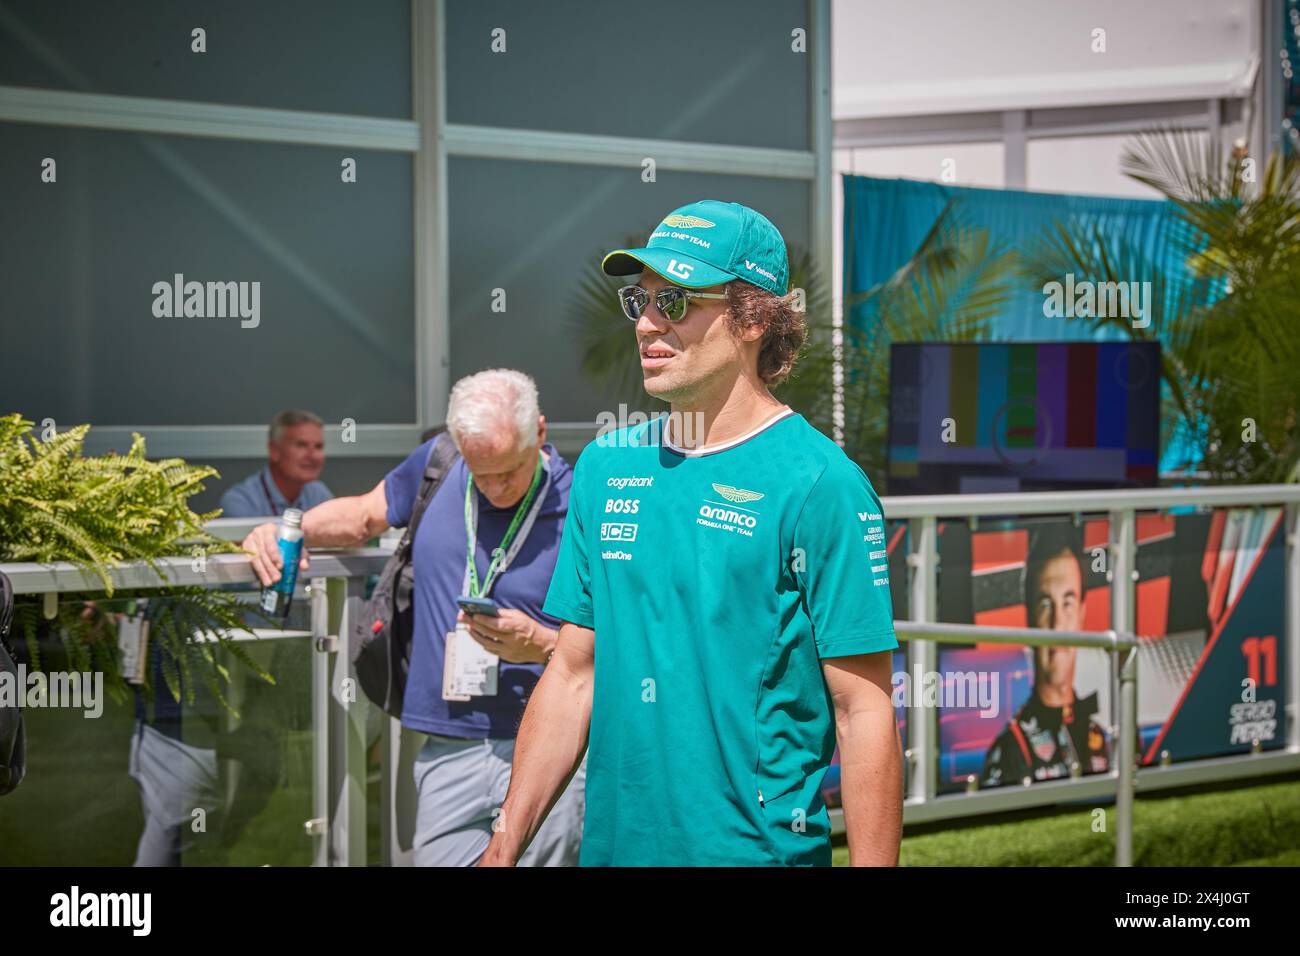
738 520
738 495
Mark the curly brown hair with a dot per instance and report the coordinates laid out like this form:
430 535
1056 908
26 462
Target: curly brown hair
784 328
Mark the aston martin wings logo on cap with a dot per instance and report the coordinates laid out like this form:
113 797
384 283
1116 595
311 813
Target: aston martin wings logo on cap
687 222
736 494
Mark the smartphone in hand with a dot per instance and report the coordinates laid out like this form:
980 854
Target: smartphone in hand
478 605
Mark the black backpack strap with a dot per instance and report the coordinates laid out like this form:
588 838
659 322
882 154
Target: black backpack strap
6 609
442 456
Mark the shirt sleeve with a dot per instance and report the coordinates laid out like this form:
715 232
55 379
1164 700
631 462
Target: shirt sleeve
841 565
238 502
569 596
402 484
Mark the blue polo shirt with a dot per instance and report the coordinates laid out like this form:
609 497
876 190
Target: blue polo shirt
438 558
259 495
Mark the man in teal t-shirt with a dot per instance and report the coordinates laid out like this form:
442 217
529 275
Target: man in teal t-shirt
724 586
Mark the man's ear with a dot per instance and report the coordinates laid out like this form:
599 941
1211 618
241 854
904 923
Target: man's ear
750 333
541 430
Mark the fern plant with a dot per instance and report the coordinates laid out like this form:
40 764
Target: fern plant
97 511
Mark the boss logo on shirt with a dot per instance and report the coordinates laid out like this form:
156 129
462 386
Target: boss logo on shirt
628 506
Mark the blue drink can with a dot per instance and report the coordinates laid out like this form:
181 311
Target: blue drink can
277 598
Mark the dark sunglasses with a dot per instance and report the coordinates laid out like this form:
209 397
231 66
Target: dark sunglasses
671 301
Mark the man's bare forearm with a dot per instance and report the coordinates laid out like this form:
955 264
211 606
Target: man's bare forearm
339 523
551 742
871 785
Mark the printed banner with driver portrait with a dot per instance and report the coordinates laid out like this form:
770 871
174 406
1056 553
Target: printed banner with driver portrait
1209 616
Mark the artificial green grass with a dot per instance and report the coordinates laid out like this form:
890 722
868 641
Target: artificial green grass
1255 825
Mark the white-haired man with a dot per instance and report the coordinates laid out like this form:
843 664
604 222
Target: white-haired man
507 495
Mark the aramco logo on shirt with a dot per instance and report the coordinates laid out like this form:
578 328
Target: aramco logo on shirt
734 520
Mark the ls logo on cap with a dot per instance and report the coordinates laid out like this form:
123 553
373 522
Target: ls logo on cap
681 270
688 222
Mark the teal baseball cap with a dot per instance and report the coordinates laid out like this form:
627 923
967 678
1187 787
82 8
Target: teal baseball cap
710 243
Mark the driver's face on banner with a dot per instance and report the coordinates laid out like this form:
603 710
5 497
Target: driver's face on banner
1057 606
1058 597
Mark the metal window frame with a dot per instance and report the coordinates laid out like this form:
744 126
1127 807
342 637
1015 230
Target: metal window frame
1016 129
430 141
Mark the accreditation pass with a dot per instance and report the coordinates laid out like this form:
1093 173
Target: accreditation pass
469 669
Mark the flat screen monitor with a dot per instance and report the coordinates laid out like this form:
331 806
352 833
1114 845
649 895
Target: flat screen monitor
1025 416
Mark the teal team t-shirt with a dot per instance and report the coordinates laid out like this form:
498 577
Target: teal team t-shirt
716 582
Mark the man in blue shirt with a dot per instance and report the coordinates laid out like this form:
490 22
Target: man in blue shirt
295 452
508 494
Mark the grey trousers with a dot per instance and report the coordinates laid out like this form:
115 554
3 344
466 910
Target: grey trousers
461 785
175 779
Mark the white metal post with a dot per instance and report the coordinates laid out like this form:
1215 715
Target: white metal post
1125 754
317 827
429 104
922 722
821 134
1123 581
347 729
1015 150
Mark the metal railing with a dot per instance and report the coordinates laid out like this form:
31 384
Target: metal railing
924 633
342 731
1123 650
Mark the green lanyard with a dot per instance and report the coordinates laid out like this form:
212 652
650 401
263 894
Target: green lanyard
470 533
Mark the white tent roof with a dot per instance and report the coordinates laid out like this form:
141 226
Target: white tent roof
955 56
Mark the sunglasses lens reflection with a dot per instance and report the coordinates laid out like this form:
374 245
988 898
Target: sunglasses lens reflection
672 303
633 300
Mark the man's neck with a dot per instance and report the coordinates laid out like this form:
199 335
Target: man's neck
723 416
1052 696
288 487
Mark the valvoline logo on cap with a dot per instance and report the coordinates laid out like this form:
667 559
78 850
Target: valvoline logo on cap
710 243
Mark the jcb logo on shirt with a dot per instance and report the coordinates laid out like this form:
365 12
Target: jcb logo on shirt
617 531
